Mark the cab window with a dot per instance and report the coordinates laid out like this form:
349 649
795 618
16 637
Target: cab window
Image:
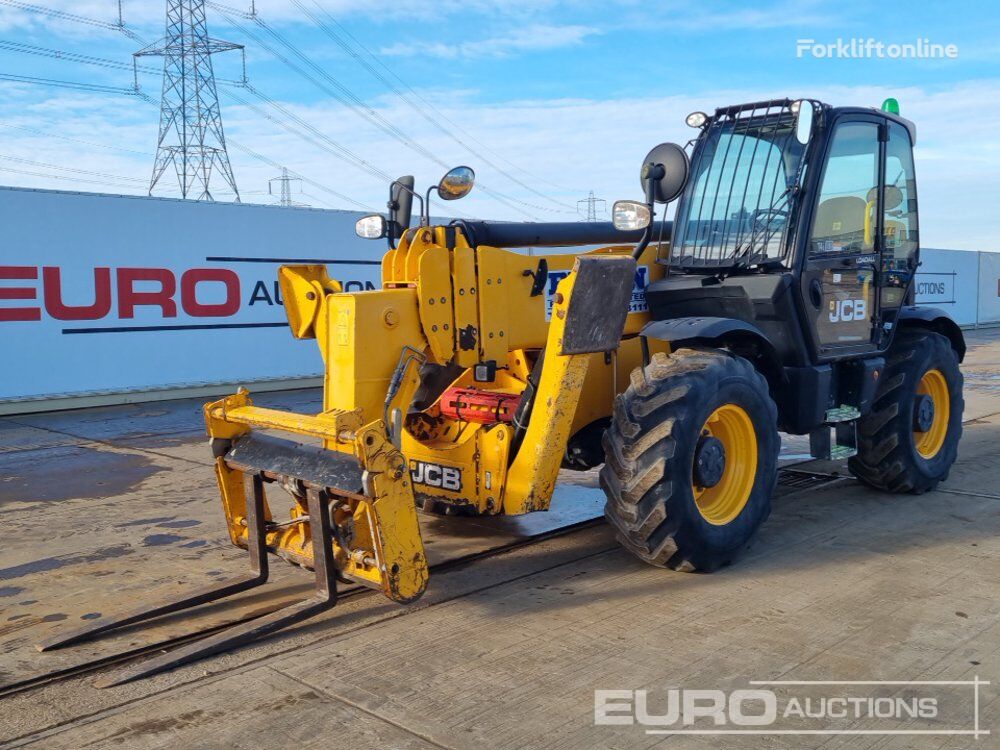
844 218
899 207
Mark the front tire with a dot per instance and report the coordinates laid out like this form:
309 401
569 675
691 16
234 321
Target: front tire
691 459
909 440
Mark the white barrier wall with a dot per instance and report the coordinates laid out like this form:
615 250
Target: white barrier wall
948 279
989 288
111 294
136 297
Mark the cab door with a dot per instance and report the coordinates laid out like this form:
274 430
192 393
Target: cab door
839 271
900 238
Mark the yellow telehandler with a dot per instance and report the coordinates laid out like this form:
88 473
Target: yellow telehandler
779 298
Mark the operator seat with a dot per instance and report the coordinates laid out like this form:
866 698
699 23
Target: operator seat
840 220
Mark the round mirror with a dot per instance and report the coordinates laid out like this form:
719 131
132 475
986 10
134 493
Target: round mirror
891 198
668 181
456 184
803 109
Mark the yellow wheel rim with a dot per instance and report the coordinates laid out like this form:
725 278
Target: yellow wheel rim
933 385
732 426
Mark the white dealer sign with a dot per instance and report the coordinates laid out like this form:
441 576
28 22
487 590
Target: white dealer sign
107 294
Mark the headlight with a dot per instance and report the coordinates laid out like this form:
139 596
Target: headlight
371 227
629 216
696 119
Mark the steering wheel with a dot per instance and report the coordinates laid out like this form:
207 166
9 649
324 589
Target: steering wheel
762 217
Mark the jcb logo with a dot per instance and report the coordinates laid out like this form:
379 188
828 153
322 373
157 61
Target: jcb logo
844 310
435 475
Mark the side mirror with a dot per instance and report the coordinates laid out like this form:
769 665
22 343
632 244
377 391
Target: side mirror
804 115
664 172
456 184
630 216
371 227
400 206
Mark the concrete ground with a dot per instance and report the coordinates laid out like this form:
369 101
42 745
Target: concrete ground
105 507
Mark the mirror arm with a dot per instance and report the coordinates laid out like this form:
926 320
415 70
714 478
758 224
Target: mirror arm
647 233
392 211
390 232
425 220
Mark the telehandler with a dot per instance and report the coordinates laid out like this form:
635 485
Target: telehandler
780 298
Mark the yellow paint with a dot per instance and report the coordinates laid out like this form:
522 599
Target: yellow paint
532 476
437 314
366 350
934 385
466 286
870 223
385 549
303 289
457 305
732 426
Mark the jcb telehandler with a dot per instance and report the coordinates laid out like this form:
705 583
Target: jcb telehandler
779 298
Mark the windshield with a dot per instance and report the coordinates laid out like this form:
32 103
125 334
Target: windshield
736 206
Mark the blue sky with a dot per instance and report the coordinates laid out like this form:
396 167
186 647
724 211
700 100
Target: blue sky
554 98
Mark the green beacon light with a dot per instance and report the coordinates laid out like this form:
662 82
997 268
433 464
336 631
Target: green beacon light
891 106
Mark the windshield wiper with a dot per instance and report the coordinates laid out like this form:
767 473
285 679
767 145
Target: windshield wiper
742 252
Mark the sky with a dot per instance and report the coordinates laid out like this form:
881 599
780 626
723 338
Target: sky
546 100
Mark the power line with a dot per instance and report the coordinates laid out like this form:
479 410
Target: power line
341 93
30 49
76 85
48 134
420 110
64 16
93 88
330 85
416 94
352 100
103 62
33 163
67 178
313 198
317 138
271 163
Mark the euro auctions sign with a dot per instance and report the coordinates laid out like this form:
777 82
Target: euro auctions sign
112 294
134 288
120 299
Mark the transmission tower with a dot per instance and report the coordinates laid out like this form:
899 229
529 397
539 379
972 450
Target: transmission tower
590 207
191 137
284 188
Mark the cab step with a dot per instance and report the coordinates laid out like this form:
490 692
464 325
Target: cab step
837 438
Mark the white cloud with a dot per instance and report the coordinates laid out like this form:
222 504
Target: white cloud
702 16
577 144
533 38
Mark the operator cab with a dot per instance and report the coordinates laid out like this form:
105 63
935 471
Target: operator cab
798 218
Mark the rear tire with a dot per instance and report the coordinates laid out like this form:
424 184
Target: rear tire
660 424
893 455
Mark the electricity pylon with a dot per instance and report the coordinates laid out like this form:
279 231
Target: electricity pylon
191 136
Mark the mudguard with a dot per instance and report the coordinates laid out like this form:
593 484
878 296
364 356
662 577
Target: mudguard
677 331
934 319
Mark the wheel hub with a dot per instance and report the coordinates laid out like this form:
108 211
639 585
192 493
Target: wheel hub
923 413
709 461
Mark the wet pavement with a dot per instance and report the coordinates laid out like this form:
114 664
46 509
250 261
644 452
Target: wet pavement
103 507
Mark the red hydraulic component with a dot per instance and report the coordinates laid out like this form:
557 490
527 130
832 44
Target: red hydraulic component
474 405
